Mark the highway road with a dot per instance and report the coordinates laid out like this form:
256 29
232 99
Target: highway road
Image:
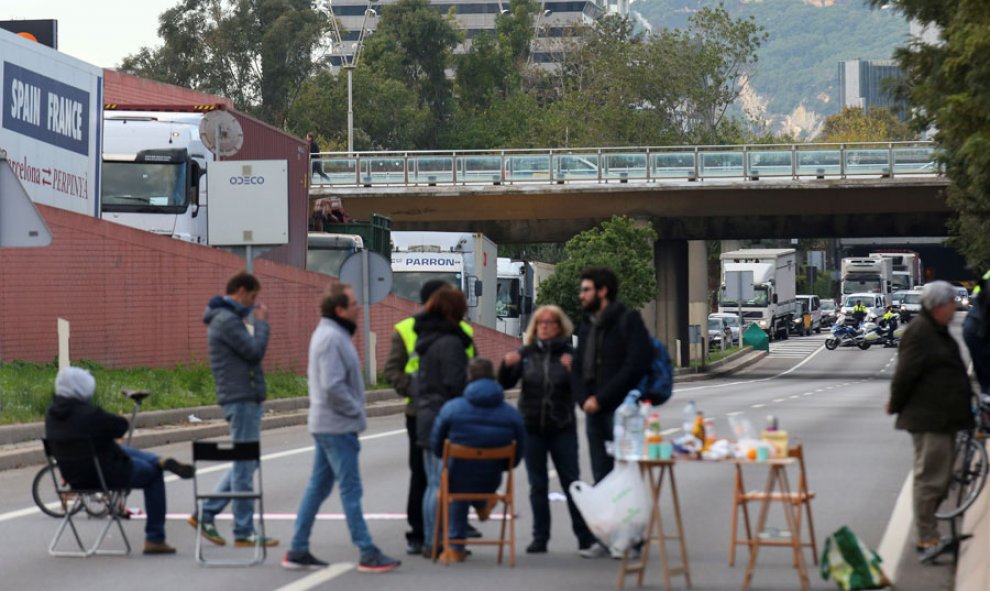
830 400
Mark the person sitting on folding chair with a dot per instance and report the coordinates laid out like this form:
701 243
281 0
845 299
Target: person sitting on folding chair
73 416
479 418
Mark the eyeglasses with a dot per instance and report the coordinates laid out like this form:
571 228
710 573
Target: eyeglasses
587 288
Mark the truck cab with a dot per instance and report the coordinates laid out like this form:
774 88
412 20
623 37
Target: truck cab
326 252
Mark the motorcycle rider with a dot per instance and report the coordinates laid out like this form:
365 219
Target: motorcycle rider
889 322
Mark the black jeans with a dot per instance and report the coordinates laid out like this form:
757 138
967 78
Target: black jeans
562 447
979 351
599 428
417 485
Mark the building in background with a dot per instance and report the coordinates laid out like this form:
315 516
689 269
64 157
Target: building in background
864 84
554 22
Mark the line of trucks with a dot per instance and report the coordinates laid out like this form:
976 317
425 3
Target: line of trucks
771 300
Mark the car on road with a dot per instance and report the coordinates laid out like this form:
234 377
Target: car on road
874 302
911 304
718 333
829 312
962 298
812 304
733 321
897 297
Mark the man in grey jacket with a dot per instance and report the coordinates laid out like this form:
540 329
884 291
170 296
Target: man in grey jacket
236 349
336 416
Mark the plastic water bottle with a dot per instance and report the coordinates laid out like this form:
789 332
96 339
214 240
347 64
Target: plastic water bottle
629 428
690 412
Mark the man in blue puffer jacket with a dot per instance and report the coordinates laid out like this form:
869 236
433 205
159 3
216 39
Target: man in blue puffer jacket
479 418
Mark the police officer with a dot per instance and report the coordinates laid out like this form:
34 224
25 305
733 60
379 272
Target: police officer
859 312
889 322
400 368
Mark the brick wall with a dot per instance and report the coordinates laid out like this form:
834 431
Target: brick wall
135 299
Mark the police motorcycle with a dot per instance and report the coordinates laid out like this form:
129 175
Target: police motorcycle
891 338
847 333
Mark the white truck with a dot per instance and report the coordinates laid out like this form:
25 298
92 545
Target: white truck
518 286
465 260
153 173
326 252
906 269
773 304
51 124
872 274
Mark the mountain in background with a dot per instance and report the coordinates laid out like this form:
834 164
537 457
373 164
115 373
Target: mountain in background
796 82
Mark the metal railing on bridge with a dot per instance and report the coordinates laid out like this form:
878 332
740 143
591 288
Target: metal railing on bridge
639 164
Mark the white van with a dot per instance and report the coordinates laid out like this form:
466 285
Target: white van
874 302
813 305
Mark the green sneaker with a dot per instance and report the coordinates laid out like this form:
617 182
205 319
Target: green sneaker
252 540
209 531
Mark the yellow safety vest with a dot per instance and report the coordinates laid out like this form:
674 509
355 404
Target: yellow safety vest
986 277
406 330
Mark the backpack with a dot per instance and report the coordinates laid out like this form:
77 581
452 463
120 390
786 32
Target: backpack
657 385
850 563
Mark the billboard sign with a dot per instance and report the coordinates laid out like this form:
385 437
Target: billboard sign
51 123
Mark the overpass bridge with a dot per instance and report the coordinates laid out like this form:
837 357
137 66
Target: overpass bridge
689 193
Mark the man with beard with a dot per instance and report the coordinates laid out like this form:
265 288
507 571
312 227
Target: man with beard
613 355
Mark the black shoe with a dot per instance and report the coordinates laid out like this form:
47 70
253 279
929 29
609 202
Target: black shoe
302 561
471 532
414 547
184 471
537 547
930 553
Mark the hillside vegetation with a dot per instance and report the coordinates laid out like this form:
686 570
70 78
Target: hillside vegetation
798 64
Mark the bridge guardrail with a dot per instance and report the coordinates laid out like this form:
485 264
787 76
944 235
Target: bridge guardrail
640 164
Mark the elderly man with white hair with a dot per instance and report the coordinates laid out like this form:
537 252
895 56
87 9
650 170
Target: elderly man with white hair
73 416
931 396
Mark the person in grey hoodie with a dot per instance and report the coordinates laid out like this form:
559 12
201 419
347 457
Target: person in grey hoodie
336 416
236 349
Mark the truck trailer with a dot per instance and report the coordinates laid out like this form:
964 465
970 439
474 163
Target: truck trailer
518 287
773 303
463 259
873 274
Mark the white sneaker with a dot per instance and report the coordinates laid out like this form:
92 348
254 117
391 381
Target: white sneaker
595 550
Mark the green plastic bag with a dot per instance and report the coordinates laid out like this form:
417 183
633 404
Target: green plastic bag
850 563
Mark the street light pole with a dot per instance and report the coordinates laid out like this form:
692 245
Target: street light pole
349 64
350 108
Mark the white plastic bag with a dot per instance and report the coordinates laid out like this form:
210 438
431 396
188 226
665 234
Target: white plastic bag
617 509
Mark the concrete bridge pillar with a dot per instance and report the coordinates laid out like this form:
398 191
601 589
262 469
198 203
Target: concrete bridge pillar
682 295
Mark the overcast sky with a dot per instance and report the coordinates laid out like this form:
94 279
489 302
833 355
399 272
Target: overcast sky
101 32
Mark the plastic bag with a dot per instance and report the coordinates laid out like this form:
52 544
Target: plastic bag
617 509
850 563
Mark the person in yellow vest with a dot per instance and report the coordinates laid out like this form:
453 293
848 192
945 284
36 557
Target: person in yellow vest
976 332
400 367
889 323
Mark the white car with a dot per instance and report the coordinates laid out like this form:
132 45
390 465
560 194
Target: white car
733 321
911 304
874 302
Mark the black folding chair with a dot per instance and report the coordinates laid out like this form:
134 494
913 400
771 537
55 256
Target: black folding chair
228 451
82 452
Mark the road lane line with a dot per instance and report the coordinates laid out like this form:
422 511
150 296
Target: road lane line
898 529
773 377
779 399
321 576
757 405
217 468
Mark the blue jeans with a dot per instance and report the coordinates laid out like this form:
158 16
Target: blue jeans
335 458
599 428
431 465
245 425
146 474
562 446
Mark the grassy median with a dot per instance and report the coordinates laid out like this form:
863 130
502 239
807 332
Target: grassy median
26 388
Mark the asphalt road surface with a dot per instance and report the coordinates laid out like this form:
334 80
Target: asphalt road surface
831 400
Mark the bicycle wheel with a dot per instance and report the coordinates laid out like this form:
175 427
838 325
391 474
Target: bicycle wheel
48 498
96 505
969 473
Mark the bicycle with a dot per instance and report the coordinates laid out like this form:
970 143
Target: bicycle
54 502
971 465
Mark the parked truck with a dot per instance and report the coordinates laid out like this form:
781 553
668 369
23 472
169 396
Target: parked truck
465 260
51 126
518 286
906 269
773 304
873 274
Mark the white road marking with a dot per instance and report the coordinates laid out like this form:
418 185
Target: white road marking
757 405
773 377
321 576
171 478
898 529
779 399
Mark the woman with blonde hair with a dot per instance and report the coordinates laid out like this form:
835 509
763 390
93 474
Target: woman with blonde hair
544 366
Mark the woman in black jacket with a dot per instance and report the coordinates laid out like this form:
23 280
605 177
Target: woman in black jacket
544 366
442 347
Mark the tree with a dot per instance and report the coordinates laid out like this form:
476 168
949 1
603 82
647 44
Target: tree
854 125
414 44
256 52
621 244
948 83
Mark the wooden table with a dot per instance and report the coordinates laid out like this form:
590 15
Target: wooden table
656 472
777 490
